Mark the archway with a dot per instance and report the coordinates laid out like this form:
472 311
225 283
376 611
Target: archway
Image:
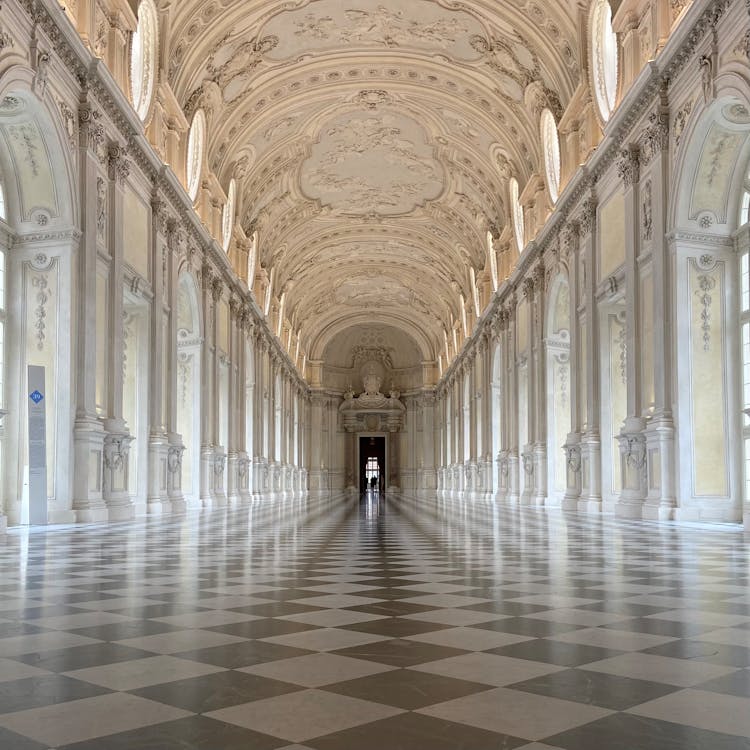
189 342
497 415
557 343
37 255
710 249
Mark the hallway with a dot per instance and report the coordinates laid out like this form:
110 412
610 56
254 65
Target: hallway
336 625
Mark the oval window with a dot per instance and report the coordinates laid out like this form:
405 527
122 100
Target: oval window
196 142
143 55
227 219
604 58
551 148
517 214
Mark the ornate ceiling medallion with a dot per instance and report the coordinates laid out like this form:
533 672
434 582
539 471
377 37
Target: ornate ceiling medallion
365 163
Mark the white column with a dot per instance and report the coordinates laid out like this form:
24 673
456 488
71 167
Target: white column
88 434
117 439
569 245
631 438
660 432
591 495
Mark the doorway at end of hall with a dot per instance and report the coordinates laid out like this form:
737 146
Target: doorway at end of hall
372 463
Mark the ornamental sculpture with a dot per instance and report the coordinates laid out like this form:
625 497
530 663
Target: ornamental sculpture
372 410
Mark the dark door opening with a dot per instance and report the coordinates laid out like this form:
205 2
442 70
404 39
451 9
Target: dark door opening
372 464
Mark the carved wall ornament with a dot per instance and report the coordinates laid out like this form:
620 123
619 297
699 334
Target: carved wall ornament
115 453
586 217
628 166
174 458
119 166
90 127
220 460
573 458
372 98
680 120
101 209
655 137
706 284
6 40
69 123
41 74
11 105
646 213
528 288
635 451
706 65
742 48
27 137
40 283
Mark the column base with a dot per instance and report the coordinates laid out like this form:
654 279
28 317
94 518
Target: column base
88 447
658 513
589 505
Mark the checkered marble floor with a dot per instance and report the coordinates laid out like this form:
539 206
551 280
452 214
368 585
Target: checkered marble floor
343 625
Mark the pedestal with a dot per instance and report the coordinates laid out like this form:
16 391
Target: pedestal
591 476
529 478
539 456
88 444
174 473
157 499
632 441
233 491
218 495
115 455
207 470
572 472
661 502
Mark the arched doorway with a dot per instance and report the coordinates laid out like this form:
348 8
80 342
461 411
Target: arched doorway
189 342
557 343
38 244
710 251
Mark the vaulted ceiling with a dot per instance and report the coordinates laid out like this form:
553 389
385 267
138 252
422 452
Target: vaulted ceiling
372 140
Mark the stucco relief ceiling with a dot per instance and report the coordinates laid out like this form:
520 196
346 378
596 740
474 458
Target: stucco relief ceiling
372 163
372 140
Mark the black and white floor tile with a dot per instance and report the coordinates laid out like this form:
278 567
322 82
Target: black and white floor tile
411 625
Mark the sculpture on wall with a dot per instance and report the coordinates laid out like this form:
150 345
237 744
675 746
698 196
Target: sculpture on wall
372 410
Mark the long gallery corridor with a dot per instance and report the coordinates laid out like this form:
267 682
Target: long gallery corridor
345 624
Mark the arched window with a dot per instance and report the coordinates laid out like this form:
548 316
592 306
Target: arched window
517 214
143 55
251 259
551 149
475 292
196 144
227 219
603 58
744 205
493 261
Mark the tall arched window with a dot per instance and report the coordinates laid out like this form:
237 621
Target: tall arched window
196 144
227 219
492 256
551 149
251 260
143 56
603 58
517 214
475 292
